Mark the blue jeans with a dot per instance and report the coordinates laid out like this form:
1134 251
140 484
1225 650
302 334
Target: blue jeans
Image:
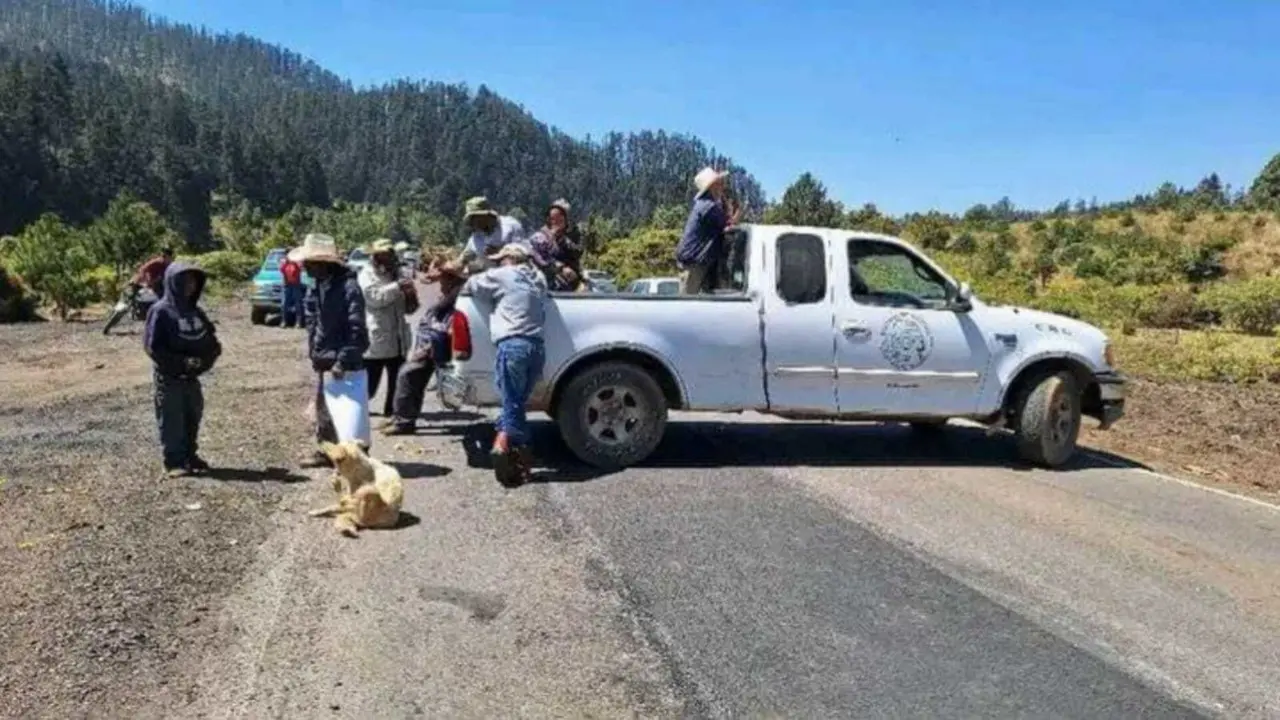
517 370
291 312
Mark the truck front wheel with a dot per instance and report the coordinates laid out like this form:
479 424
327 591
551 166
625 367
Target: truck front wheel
258 316
1049 420
612 415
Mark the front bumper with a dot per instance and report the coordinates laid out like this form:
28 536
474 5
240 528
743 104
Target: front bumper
1111 395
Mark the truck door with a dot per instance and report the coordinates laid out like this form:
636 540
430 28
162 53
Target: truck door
799 346
900 348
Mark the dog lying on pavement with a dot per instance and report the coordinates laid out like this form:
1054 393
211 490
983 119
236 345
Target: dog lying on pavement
370 492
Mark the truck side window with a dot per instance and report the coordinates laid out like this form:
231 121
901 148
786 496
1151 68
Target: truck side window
887 275
739 254
802 269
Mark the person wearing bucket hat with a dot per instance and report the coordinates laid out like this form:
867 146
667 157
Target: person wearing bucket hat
557 249
702 244
337 337
490 232
431 349
389 299
514 295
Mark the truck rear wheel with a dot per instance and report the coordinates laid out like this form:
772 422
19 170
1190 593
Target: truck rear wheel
612 415
1049 420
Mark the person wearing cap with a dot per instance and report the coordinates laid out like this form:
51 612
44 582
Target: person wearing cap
514 295
701 246
389 299
337 337
431 349
490 232
557 249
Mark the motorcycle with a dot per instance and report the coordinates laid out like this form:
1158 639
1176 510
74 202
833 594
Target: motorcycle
134 301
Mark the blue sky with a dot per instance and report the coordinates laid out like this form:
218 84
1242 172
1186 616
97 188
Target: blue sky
908 104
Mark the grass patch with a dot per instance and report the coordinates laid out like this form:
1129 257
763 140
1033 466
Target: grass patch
1209 355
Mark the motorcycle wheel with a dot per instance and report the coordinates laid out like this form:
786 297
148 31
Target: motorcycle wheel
115 317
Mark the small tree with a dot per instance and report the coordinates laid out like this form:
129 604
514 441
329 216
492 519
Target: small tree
128 233
53 260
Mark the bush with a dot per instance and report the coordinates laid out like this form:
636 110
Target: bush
54 261
16 305
228 267
102 282
1248 306
1170 309
1213 356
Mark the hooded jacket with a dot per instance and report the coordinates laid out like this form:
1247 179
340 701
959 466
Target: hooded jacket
177 329
337 334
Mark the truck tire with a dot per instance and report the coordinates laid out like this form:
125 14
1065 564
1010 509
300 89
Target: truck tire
258 316
612 415
1049 420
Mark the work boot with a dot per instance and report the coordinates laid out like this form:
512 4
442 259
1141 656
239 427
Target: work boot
197 465
505 469
173 473
524 461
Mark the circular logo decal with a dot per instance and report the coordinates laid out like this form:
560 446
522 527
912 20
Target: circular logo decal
905 342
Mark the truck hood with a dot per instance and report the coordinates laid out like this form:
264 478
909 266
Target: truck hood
267 276
1041 321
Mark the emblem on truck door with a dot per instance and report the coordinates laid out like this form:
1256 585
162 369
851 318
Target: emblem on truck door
905 342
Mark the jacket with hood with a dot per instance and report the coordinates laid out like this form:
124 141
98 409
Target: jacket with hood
177 329
385 314
337 334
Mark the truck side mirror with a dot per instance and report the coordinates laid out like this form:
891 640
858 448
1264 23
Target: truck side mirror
962 301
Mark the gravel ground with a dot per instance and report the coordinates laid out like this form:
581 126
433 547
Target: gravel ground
107 571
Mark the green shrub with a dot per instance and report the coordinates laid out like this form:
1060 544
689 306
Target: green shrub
228 266
16 304
52 260
1212 355
1248 306
103 286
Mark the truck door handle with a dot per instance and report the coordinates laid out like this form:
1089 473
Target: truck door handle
853 329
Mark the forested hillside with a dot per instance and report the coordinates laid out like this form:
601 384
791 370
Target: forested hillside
98 97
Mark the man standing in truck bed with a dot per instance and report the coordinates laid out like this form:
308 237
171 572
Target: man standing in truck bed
490 233
701 246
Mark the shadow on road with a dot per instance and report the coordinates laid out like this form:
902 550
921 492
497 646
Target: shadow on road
419 471
700 444
271 474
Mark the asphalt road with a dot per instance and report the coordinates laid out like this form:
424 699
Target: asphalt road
759 568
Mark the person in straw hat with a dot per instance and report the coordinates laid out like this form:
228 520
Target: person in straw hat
514 295
431 349
701 247
557 249
389 299
490 232
336 337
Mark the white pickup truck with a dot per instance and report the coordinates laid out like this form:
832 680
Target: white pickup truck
814 323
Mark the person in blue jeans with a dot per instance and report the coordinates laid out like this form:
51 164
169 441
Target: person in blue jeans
514 294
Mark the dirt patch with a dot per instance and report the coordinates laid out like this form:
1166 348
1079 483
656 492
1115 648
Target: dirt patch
1220 434
106 572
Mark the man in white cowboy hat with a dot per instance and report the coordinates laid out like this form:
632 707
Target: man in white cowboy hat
337 337
490 232
514 294
702 245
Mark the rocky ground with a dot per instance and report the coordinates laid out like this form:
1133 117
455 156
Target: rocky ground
108 575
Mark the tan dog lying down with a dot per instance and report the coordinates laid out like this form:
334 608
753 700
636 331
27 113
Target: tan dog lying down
370 491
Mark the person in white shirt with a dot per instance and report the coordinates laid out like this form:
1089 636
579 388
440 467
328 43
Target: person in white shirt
490 232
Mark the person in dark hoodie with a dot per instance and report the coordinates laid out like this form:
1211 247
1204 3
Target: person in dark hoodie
182 345
337 337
